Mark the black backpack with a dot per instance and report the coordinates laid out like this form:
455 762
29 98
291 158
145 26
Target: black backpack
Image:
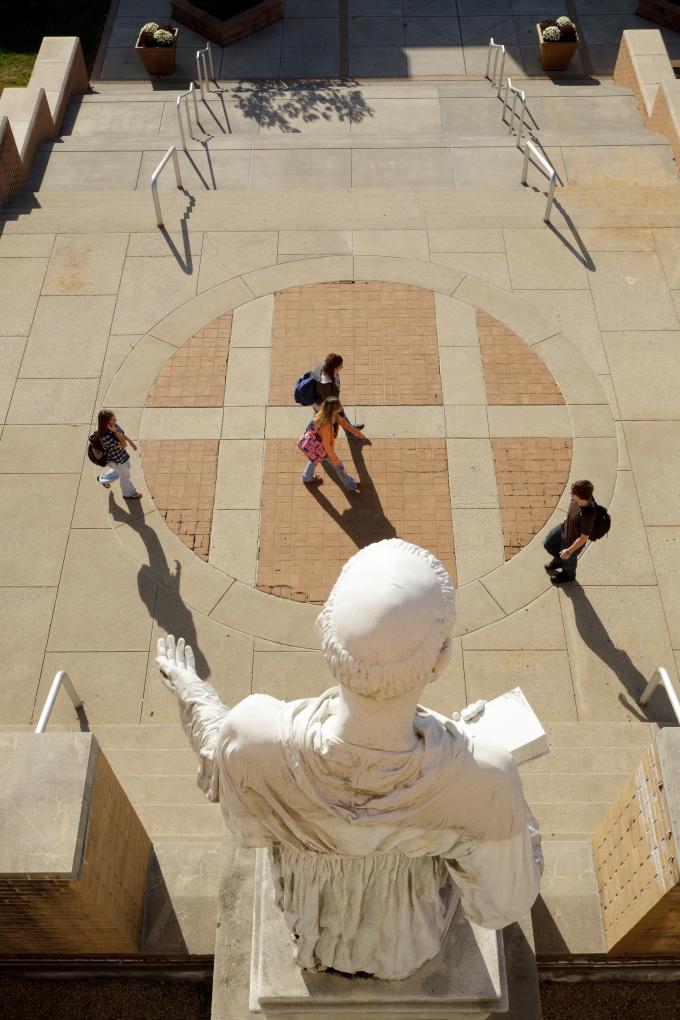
602 522
96 452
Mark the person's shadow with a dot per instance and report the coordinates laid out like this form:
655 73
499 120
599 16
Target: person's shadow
364 521
164 604
595 635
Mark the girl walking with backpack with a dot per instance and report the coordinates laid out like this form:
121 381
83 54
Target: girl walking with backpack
318 442
112 439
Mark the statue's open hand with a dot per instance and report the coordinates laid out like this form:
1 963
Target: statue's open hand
175 663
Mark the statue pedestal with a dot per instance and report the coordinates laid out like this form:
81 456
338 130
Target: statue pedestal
466 981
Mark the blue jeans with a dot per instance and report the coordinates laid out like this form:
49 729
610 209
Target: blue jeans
347 481
554 544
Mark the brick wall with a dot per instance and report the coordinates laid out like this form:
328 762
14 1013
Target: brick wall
12 176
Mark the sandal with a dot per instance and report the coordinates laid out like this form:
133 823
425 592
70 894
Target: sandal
107 485
137 495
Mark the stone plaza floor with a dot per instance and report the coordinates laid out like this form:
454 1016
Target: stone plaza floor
492 358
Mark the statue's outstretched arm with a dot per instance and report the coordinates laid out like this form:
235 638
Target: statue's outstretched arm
202 714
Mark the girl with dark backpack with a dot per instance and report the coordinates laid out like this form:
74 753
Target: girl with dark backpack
110 437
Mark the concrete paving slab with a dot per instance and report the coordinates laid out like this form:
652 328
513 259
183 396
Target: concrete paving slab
571 113
427 30
514 312
68 338
252 323
247 377
456 323
596 459
181 423
592 421
290 168
574 313
655 395
466 240
149 288
472 476
26 246
238 62
401 422
395 117
489 166
117 350
539 260
132 382
216 117
228 254
618 239
475 50
462 376
302 61
186 243
417 274
52 402
290 674
544 676
315 242
239 474
295 274
448 692
36 512
509 420
475 608
265 616
86 264
53 170
102 118
489 266
616 636
668 250
624 557
285 422
243 422
177 327
223 656
376 31
654 449
377 61
408 244
466 422
42 449
24 647
567 914
536 626
664 544
11 353
218 169
578 384
91 674
478 538
430 60
90 510
610 165
311 8
470 117
389 168
20 284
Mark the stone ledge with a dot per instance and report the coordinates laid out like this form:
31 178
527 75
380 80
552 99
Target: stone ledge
643 65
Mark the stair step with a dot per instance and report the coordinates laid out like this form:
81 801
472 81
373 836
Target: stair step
584 761
163 790
144 761
165 822
584 734
560 788
153 735
570 821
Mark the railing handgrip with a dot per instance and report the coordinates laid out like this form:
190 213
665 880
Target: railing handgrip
172 152
660 676
61 679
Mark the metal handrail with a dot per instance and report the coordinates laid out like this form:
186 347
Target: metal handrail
496 49
187 112
61 679
172 151
509 87
202 68
660 676
547 168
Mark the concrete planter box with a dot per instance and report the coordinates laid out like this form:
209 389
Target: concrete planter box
158 59
661 12
224 32
555 56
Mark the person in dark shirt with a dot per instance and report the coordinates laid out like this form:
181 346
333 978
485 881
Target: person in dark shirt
326 376
566 540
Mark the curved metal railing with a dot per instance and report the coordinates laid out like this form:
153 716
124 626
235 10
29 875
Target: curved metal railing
172 152
183 100
547 168
660 676
203 59
498 50
516 94
61 679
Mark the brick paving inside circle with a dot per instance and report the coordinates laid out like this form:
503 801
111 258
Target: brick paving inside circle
386 333
513 373
181 476
196 374
531 475
308 532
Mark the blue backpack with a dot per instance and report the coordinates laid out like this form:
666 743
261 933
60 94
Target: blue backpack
305 390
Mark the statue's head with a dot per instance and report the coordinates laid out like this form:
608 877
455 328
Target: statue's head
386 625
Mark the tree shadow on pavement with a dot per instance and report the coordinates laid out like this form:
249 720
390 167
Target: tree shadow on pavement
167 609
595 635
280 105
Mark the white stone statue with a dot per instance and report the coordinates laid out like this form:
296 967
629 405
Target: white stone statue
380 816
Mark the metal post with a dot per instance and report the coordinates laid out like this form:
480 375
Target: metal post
525 165
172 151
175 160
488 56
660 676
521 120
551 195
179 120
512 114
500 76
61 678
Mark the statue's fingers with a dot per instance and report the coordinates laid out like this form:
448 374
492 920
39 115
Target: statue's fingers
180 652
160 648
171 647
191 662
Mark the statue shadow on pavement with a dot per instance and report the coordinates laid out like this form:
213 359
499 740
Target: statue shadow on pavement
166 607
595 636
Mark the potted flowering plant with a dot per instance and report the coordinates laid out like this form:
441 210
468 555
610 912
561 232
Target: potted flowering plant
558 42
157 45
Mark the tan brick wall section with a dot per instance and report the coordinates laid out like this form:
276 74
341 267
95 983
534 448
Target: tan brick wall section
12 176
195 376
386 333
308 533
181 476
531 475
663 121
513 374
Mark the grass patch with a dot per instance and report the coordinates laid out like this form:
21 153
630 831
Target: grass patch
24 24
